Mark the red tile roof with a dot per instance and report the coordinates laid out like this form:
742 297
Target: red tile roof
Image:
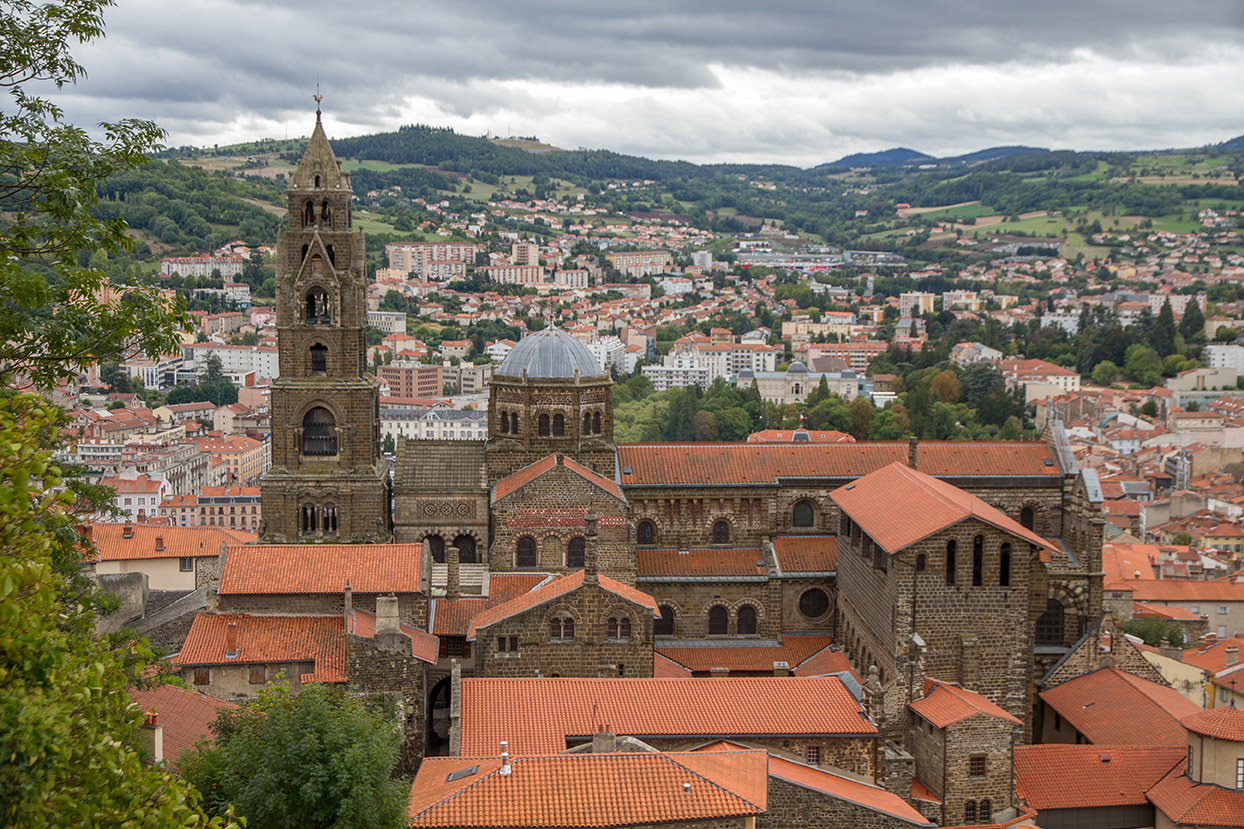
870 797
186 716
321 568
1183 590
1212 657
929 506
1141 610
553 590
806 553
824 663
528 474
537 715
700 562
663 668
321 639
589 790
177 542
452 617
743 657
423 646
798 436
1188 804
1087 776
944 704
1111 707
1225 723
679 464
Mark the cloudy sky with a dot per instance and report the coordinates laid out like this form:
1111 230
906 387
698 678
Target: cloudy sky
799 82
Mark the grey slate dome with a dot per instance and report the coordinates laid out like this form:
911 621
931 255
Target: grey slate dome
551 353
797 368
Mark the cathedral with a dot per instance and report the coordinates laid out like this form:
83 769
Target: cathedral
549 550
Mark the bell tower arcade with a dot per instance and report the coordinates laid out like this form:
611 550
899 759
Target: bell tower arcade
327 481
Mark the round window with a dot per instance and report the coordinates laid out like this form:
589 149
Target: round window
814 603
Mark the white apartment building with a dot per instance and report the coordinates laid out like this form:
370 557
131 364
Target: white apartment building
197 266
573 279
514 274
434 424
1224 356
390 322
675 377
414 257
152 373
915 303
235 359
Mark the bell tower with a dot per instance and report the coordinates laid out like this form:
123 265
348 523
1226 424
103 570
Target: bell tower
327 481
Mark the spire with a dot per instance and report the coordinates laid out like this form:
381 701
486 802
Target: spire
319 167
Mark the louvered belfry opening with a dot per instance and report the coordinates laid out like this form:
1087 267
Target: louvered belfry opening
319 432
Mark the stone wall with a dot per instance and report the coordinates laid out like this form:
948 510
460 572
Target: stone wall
233 682
691 602
795 807
526 400
979 736
375 668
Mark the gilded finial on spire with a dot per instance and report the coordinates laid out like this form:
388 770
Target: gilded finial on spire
318 97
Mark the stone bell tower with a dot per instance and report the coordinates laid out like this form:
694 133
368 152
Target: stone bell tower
327 481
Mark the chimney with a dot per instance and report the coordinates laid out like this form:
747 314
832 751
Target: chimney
455 709
604 741
142 516
389 634
347 603
590 565
151 736
912 445
159 543
781 669
453 578
506 766
1165 648
1233 654
127 529
719 673
231 640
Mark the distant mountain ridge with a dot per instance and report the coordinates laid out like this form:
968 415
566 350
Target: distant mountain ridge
906 157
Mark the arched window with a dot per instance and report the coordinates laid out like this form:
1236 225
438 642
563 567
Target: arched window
561 629
804 515
645 533
543 426
319 357
505 422
1026 518
747 620
308 214
514 423
526 555
596 423
319 432
985 812
619 628
921 562
436 546
318 310
587 423
978 561
559 425
308 518
665 625
1049 629
814 603
329 515
718 621
721 532
326 213
318 182
576 552
952 548
969 811
466 548
798 389
1004 566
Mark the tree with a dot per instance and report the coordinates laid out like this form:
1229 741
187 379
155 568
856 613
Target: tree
388 445
58 315
1192 326
1105 372
318 759
704 425
945 387
862 411
1162 334
1182 539
393 301
1143 365
213 371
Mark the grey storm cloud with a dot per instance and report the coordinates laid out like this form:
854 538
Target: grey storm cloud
199 66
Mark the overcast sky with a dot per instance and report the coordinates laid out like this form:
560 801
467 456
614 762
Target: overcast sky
798 82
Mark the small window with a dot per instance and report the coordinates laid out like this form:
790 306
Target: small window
561 629
1026 517
185 564
921 562
1239 773
969 811
814 755
587 423
619 628
747 620
501 640
721 532
202 676
665 625
513 644
985 811
814 603
436 547
1222 610
976 765
466 548
978 561
543 426
951 550
1004 566
319 357
645 533
559 426
596 423
259 674
804 515
526 556
505 423
718 621
576 552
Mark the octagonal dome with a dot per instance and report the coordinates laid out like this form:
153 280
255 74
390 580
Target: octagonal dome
550 354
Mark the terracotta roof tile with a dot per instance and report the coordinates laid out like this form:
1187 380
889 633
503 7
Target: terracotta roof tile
527 474
929 505
321 568
186 716
806 553
679 464
537 715
423 646
1225 723
1183 590
321 639
825 662
1090 776
177 542
742 656
700 562
1141 610
552 590
944 704
664 668
589 790
1189 804
452 617
1111 707
1211 657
